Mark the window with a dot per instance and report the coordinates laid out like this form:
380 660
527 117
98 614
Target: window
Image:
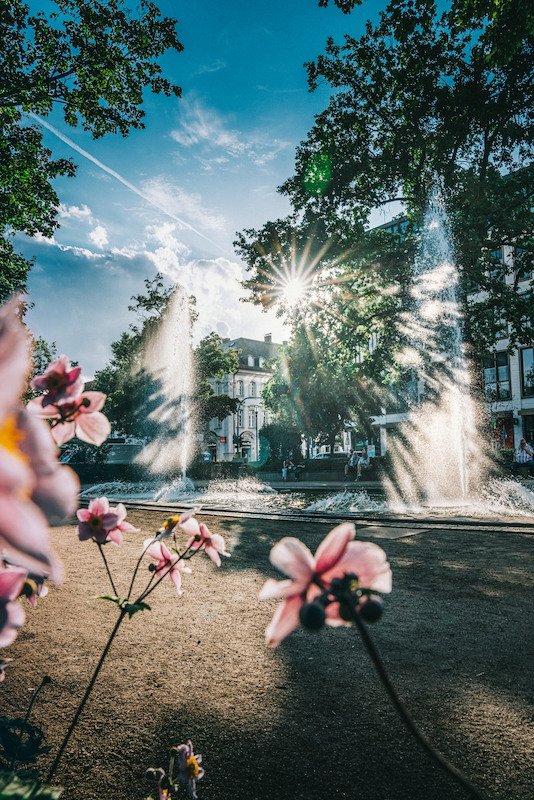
496 377
240 418
261 361
240 388
527 372
250 361
252 417
218 388
253 389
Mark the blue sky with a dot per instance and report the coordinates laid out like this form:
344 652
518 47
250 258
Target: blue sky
212 159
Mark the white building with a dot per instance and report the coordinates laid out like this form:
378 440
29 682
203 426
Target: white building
237 436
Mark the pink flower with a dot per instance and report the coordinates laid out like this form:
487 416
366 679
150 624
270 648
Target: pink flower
122 526
337 555
99 523
79 417
213 543
189 769
14 357
60 381
11 614
34 488
166 562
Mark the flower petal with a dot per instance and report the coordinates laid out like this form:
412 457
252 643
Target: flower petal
93 428
272 590
212 554
285 621
115 536
366 560
96 401
99 506
11 582
333 546
293 558
63 432
36 409
24 537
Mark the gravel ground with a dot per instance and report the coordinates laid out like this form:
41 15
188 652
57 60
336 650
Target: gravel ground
308 720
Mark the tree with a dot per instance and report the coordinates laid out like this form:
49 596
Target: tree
284 440
419 95
93 58
315 390
213 361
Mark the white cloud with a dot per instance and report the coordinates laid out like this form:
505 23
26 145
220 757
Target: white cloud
83 252
176 201
74 212
99 236
203 126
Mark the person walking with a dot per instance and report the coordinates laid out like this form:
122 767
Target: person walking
284 470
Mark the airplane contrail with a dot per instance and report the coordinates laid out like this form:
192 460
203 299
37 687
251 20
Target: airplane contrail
119 178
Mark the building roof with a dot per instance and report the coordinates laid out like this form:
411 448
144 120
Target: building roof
256 348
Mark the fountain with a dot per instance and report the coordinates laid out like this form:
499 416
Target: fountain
438 454
168 363
440 464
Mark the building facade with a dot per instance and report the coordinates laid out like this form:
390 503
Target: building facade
237 436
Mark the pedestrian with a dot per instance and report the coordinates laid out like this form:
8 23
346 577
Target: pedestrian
352 464
523 457
363 462
284 470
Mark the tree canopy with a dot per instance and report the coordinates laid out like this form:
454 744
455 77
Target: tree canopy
426 95
91 58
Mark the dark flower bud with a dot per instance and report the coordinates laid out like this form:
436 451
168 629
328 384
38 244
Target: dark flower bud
312 616
371 609
85 402
337 585
151 567
345 611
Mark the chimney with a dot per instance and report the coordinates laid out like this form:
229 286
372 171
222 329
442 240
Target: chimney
268 338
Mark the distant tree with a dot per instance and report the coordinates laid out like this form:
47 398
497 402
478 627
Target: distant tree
315 391
43 353
284 440
213 361
91 58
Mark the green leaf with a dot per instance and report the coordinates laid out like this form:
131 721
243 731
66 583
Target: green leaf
133 608
112 598
16 787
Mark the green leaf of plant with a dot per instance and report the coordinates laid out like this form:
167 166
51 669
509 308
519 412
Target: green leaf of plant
16 787
133 608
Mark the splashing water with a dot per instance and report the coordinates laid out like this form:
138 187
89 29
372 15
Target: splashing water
168 361
437 455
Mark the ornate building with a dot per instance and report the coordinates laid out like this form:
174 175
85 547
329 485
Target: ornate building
237 436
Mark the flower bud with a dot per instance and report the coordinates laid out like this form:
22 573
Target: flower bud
151 567
371 609
312 616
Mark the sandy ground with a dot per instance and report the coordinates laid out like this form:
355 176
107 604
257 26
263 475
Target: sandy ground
308 720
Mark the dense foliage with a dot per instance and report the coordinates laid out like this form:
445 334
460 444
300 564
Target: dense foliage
92 58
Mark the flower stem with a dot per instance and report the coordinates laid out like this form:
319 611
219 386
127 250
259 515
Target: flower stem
405 715
45 681
137 568
85 698
107 569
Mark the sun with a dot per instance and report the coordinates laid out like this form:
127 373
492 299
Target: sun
293 290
